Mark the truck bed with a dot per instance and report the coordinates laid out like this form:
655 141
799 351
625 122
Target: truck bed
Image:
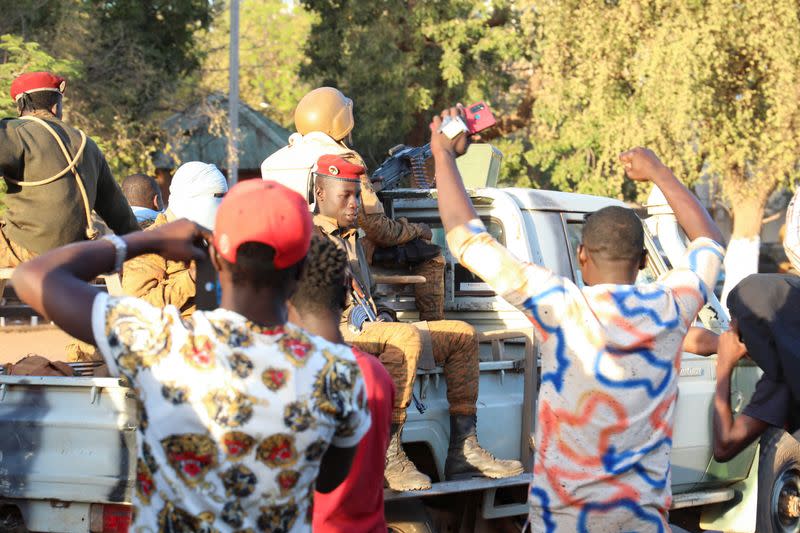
67 438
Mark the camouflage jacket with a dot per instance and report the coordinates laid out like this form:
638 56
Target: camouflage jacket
158 281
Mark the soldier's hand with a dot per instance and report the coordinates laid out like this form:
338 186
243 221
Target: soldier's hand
641 164
425 232
182 240
440 143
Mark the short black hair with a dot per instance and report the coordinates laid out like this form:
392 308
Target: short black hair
614 233
322 286
139 189
40 100
255 268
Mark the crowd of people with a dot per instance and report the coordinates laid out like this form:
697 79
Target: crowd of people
284 406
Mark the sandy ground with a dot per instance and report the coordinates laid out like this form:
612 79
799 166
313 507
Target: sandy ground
18 341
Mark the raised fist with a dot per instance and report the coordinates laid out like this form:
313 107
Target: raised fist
641 164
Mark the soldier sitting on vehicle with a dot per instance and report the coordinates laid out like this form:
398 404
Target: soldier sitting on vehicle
399 345
610 351
55 176
324 122
144 196
195 193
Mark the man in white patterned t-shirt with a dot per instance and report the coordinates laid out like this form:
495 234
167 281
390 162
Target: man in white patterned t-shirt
610 350
243 415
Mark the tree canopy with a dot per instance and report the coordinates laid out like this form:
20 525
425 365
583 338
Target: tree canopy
711 85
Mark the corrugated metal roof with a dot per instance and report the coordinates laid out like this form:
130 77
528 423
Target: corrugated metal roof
196 139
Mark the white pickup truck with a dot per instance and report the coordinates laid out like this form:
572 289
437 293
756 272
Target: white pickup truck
66 442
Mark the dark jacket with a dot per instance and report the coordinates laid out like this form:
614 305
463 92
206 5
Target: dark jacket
766 308
45 217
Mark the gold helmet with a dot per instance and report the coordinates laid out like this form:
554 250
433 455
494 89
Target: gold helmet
327 110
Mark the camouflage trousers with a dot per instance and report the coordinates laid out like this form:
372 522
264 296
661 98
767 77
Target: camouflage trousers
429 296
11 253
399 345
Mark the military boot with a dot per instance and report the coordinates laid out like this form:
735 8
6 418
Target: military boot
466 458
400 473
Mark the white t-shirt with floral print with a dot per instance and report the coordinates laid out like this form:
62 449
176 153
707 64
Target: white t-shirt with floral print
234 417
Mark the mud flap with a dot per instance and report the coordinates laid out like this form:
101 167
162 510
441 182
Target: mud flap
739 514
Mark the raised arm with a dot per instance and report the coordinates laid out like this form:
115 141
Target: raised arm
55 284
538 292
641 164
455 207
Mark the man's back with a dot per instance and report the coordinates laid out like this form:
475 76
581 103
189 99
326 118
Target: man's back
610 361
236 417
357 504
47 216
611 355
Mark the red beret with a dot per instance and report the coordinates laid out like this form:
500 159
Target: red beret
32 82
337 167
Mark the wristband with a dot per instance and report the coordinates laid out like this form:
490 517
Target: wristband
121 251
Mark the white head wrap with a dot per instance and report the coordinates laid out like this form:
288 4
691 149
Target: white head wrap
191 193
791 242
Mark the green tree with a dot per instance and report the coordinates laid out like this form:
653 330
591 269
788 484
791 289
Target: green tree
272 34
138 58
398 60
712 86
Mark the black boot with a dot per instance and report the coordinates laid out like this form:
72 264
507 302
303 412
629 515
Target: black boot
466 458
400 473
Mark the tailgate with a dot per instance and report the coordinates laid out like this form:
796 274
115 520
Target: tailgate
67 438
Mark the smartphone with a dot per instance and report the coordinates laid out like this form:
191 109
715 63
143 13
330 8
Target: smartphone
207 290
479 117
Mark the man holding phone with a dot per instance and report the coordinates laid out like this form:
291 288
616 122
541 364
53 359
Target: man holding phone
247 414
196 192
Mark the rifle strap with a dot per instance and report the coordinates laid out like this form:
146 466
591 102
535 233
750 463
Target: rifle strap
72 163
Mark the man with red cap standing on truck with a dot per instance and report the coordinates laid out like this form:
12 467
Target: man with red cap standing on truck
55 176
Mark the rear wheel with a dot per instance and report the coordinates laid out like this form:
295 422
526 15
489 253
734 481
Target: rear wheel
779 483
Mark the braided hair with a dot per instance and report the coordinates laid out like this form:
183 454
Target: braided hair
323 285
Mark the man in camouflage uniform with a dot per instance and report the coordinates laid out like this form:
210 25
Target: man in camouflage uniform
195 193
55 176
324 122
399 345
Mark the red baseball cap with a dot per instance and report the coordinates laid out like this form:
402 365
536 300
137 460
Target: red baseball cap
32 82
337 167
265 212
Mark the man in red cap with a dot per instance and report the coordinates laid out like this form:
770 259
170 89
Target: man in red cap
246 413
55 176
399 345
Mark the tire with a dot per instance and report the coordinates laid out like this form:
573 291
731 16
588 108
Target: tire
778 471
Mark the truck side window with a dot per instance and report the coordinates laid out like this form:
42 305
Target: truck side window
467 283
574 233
